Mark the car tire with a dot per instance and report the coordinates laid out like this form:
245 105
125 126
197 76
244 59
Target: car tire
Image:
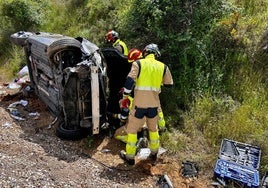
62 44
67 134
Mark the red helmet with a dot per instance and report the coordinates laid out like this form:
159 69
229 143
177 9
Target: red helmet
111 36
133 55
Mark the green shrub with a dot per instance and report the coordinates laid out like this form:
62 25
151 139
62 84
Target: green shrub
19 15
23 15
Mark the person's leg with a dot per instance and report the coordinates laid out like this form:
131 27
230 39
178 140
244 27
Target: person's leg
153 134
121 134
151 120
132 128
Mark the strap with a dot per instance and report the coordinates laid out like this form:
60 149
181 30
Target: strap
165 69
139 65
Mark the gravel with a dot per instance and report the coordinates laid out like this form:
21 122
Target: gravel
32 156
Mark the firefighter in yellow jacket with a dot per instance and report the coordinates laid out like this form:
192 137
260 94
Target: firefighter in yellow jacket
121 134
147 75
113 37
116 72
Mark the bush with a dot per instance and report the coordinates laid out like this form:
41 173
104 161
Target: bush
222 117
23 15
19 15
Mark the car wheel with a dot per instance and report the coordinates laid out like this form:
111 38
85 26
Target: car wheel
63 44
67 134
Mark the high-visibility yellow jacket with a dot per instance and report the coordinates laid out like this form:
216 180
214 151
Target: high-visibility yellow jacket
149 74
123 46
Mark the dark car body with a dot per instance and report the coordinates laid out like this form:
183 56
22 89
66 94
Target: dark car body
69 75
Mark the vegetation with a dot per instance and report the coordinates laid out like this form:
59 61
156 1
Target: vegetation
217 51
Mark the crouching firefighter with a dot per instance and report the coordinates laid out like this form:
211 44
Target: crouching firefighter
147 75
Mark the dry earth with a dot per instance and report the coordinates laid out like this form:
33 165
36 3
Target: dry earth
32 156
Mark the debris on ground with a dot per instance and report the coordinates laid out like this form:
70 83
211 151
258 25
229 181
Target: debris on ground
52 123
164 182
13 85
24 71
14 112
189 169
22 80
7 125
144 153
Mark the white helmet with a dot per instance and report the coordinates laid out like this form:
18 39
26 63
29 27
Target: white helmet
151 49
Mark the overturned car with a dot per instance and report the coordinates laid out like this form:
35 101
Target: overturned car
69 76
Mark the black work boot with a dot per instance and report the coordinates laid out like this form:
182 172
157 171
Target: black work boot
128 161
153 158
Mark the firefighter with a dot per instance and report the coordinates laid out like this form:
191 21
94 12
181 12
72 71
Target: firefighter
113 37
133 55
117 71
121 134
147 75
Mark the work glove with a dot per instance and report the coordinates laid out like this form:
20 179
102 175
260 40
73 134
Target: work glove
161 122
124 103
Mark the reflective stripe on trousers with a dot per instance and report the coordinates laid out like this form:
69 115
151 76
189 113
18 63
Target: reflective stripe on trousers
131 146
154 142
121 134
122 138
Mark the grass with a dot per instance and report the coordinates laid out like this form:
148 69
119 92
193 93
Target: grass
11 64
213 118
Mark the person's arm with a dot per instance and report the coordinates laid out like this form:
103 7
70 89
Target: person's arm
132 76
167 79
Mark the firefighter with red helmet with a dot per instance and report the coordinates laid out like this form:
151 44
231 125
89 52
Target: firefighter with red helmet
113 37
147 74
116 72
133 55
125 106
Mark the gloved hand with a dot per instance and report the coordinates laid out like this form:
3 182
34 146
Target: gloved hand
161 122
124 103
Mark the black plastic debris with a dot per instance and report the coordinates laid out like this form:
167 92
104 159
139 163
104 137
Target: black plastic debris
189 169
164 182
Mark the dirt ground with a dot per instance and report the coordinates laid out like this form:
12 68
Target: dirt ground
31 155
